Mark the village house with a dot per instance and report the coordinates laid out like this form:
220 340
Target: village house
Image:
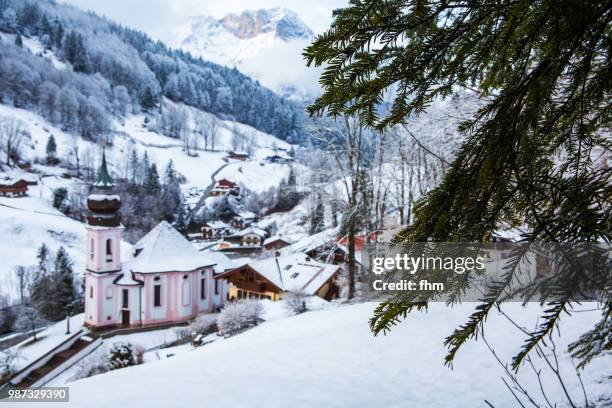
245 242
223 187
164 280
243 219
275 242
321 246
242 156
278 158
215 230
270 278
13 187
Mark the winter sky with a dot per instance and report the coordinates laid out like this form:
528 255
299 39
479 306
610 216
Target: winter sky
158 17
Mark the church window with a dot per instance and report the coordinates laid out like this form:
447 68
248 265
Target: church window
109 250
157 295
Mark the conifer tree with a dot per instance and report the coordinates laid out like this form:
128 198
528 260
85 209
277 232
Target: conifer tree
534 154
51 150
151 185
63 280
147 101
19 41
41 289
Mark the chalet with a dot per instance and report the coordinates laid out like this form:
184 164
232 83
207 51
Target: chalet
243 219
277 158
251 237
242 156
275 243
321 246
223 187
270 278
13 187
215 230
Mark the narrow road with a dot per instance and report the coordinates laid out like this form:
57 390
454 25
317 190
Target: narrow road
202 200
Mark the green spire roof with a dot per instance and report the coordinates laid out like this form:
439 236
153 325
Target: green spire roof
104 179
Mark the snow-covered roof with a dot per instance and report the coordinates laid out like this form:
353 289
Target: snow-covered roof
295 272
103 197
127 279
312 242
217 224
7 181
246 215
251 231
164 249
221 262
275 238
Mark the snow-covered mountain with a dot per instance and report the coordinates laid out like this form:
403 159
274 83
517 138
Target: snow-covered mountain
265 44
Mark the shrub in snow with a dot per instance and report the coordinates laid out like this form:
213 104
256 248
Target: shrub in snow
7 359
204 324
121 355
239 316
296 301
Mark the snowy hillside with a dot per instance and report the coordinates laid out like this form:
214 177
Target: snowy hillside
265 44
340 363
32 220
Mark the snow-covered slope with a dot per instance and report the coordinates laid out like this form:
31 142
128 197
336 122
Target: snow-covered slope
26 223
341 364
265 44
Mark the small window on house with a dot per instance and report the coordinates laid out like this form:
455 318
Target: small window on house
125 299
295 275
91 291
91 249
185 276
156 278
157 295
109 250
203 288
216 286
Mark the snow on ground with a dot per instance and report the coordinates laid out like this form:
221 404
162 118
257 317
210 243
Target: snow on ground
255 176
329 357
24 228
28 222
47 339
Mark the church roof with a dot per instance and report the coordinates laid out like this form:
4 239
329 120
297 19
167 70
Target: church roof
104 179
164 249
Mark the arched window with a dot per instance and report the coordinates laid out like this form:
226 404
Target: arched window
91 249
91 291
109 250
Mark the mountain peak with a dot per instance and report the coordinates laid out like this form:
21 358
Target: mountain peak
250 23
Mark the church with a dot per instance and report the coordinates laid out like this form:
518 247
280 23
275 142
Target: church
163 279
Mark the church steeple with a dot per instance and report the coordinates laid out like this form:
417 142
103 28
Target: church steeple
104 179
102 204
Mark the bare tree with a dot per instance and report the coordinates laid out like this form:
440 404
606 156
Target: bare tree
74 150
29 320
12 133
348 153
213 132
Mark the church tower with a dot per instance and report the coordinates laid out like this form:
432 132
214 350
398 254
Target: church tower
103 250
